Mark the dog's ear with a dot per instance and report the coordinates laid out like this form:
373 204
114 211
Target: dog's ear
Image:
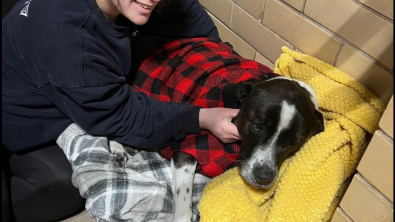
319 122
245 88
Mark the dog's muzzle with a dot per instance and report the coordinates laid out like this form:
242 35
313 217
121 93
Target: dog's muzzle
263 175
259 176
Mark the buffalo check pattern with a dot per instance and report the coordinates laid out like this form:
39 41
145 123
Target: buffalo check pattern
195 71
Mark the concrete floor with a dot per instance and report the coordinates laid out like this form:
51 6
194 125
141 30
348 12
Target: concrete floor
81 217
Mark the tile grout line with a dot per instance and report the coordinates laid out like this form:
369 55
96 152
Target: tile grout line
263 25
374 12
338 53
304 6
316 24
231 14
341 39
261 16
369 57
232 31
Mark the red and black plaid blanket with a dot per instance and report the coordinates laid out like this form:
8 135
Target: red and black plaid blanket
196 71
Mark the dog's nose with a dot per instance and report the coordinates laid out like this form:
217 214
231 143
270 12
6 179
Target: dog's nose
263 175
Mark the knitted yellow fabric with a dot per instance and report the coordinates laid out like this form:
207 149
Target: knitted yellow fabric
312 181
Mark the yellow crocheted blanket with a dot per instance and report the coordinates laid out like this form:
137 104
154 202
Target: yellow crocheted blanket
311 182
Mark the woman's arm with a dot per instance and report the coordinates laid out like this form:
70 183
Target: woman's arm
117 112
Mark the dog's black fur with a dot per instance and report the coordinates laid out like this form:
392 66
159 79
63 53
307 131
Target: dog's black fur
258 122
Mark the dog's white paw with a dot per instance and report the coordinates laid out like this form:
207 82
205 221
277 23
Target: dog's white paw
119 151
131 151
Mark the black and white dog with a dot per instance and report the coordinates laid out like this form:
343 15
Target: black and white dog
276 118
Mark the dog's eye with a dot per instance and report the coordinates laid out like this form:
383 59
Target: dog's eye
261 125
257 127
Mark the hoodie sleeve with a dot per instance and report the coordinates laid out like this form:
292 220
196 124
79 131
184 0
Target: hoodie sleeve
131 118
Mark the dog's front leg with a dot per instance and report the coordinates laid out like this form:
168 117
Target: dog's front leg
183 168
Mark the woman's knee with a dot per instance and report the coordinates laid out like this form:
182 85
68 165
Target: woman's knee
36 173
58 201
41 182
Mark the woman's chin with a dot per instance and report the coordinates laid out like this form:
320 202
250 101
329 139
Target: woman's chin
138 19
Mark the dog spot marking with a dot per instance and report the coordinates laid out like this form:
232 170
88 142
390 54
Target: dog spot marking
185 198
187 190
186 170
178 191
287 113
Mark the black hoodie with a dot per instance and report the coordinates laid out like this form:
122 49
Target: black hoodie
64 62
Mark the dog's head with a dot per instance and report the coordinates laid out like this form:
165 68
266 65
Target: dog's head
276 117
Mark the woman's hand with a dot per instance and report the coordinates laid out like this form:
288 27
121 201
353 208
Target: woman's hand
218 122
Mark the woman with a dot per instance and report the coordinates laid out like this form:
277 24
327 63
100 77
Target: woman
68 61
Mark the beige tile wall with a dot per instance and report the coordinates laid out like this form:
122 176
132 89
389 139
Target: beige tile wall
297 4
355 24
239 45
355 36
385 7
259 36
254 7
300 32
223 13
